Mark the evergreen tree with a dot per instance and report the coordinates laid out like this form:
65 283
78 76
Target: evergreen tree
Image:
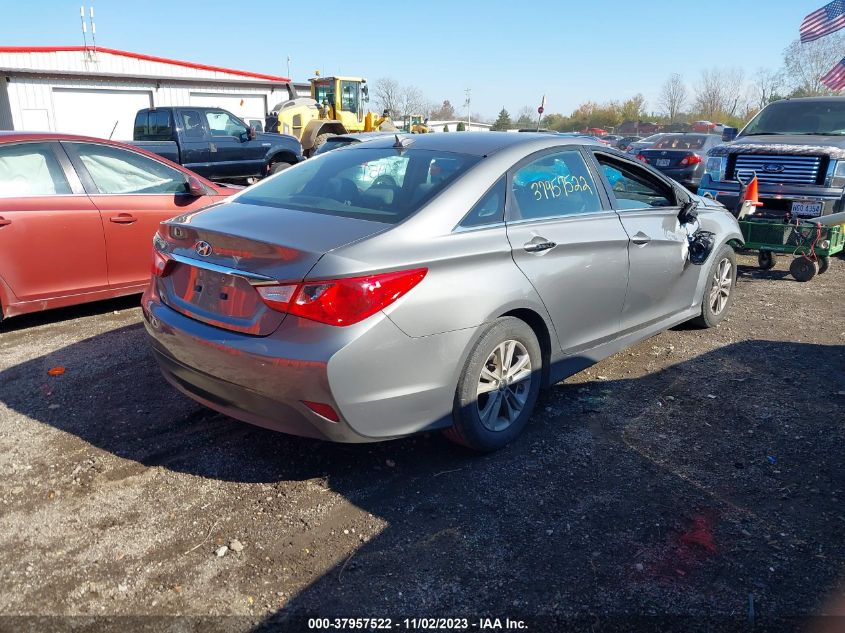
503 122
461 127
445 127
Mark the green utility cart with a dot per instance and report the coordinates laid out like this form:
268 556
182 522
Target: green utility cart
810 244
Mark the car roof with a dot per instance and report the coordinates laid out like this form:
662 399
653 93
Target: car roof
475 143
828 99
9 136
360 136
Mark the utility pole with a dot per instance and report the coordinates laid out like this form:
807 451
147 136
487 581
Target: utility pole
467 103
289 67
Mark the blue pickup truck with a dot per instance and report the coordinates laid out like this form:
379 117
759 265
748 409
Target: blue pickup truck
214 143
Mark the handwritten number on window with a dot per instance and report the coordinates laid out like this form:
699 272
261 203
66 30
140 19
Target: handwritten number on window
560 186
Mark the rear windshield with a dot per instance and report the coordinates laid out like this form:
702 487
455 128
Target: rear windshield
153 125
334 143
383 185
799 117
681 142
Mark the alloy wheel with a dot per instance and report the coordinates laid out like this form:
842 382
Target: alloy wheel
504 385
720 288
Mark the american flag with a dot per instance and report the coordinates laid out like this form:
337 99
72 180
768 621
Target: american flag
830 18
835 78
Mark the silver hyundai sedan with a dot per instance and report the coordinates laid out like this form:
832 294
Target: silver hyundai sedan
434 281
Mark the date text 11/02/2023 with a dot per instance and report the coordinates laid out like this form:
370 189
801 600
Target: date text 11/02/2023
417 624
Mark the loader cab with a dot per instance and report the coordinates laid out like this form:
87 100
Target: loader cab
344 97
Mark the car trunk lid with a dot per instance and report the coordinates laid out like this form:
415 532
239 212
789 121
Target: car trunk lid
220 254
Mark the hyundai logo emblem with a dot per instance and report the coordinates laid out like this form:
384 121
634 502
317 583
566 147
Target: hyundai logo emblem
203 248
772 168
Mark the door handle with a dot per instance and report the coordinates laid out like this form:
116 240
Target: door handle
640 238
541 244
4 221
123 218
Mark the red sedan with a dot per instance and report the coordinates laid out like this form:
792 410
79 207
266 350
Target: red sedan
78 215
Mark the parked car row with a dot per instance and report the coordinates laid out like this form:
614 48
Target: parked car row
444 264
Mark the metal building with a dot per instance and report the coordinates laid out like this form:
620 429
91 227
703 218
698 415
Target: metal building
97 91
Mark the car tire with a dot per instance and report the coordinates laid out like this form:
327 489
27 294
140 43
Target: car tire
766 260
824 264
718 290
276 167
320 141
490 420
803 268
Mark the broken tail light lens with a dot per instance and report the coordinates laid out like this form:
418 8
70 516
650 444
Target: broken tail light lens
341 301
162 264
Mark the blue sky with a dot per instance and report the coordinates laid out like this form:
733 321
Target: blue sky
508 53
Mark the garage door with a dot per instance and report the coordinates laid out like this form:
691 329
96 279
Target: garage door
95 112
242 106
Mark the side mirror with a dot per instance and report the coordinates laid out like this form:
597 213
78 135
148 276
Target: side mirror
729 134
195 187
688 213
250 134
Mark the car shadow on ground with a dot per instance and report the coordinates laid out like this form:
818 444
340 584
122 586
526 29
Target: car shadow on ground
59 315
699 489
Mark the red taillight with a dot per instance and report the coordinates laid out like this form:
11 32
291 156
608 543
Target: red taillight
692 159
161 264
341 301
325 410
642 158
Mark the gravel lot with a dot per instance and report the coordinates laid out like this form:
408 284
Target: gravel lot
697 475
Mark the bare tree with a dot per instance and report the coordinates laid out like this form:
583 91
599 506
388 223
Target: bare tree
766 86
673 96
411 101
710 94
733 89
387 93
805 64
445 112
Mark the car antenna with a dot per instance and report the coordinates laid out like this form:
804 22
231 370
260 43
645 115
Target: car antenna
402 143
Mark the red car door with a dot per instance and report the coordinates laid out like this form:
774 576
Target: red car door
134 193
51 235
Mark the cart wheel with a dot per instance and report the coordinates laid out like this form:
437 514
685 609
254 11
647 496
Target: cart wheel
824 264
766 260
803 268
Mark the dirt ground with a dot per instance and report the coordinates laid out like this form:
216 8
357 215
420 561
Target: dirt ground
693 482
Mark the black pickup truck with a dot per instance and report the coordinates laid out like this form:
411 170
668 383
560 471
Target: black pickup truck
797 149
214 143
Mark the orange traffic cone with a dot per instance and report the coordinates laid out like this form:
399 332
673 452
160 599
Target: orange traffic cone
751 194
750 200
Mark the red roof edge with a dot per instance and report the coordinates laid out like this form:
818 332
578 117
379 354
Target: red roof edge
141 56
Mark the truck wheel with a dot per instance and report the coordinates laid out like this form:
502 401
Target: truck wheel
766 260
803 268
275 168
320 141
824 264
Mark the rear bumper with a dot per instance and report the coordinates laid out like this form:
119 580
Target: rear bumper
687 176
381 382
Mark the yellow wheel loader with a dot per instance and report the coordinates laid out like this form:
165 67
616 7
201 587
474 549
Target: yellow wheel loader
336 106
